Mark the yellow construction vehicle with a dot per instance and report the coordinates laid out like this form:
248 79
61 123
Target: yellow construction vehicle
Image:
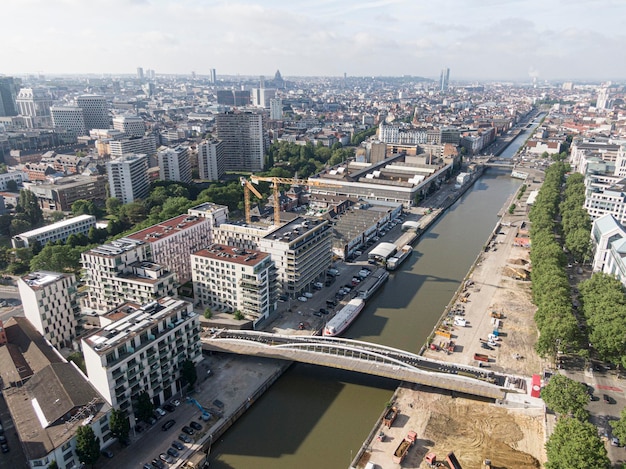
517 274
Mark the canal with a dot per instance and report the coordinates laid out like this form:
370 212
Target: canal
315 417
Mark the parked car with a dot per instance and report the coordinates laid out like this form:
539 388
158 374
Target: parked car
172 452
318 285
160 411
167 425
169 407
166 457
176 402
317 313
147 466
307 294
303 299
195 425
283 298
184 438
614 441
323 311
4 447
606 398
178 445
157 464
107 453
187 430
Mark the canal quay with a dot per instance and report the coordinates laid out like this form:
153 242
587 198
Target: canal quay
320 417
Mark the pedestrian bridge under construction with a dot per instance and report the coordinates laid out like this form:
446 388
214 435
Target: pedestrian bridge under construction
363 357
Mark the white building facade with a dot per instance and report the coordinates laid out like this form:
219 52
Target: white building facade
95 111
128 177
132 126
58 231
174 164
211 160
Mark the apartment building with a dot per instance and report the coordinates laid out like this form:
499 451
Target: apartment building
18 176
173 241
132 126
228 278
244 140
61 194
70 118
174 164
128 177
241 235
49 301
211 160
142 350
58 231
95 111
301 251
610 199
124 271
48 398
216 214
140 145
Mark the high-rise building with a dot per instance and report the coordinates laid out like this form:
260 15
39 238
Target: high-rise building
213 76
211 160
235 279
128 177
233 97
122 271
603 98
49 300
140 73
174 164
95 111
244 140
70 118
261 97
132 126
276 108
34 104
444 79
143 350
8 95
144 144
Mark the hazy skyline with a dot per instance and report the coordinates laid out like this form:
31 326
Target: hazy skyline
476 39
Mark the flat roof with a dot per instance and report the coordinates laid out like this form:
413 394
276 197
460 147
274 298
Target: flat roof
115 248
383 250
221 252
167 228
54 226
294 229
36 280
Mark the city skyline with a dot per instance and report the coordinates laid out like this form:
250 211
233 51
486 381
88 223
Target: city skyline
491 39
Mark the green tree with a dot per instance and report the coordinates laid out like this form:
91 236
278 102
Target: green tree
53 465
619 426
208 314
29 205
79 360
576 445
11 185
566 397
238 315
57 258
84 207
56 216
143 407
112 206
19 225
87 445
188 373
119 425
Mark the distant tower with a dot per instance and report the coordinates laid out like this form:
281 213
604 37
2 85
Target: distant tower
193 75
140 73
213 76
444 79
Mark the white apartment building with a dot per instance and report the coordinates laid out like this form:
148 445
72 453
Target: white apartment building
244 140
174 164
128 177
140 145
261 97
608 237
58 231
611 200
396 134
276 108
95 111
173 241
34 105
227 278
70 118
211 160
301 251
241 235
143 350
123 271
132 126
18 176
49 301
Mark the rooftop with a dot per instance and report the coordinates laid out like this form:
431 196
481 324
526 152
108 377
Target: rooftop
115 248
58 225
294 229
232 254
167 228
36 280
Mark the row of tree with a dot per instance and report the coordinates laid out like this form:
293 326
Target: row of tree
558 329
305 160
575 220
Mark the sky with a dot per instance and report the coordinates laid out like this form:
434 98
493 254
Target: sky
476 39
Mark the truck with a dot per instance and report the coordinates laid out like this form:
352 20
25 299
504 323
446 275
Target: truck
481 357
404 446
390 416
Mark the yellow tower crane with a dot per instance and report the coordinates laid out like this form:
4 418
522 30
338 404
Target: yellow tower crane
276 181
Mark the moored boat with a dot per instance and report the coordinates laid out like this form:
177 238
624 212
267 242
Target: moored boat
344 317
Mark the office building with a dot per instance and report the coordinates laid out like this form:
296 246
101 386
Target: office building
17 176
132 126
34 105
301 251
128 177
233 97
276 108
48 399
140 73
70 118
58 231
261 97
173 241
142 349
95 111
211 160
227 278
174 164
608 239
121 271
145 145
444 79
49 302
61 194
8 96
244 140
213 76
